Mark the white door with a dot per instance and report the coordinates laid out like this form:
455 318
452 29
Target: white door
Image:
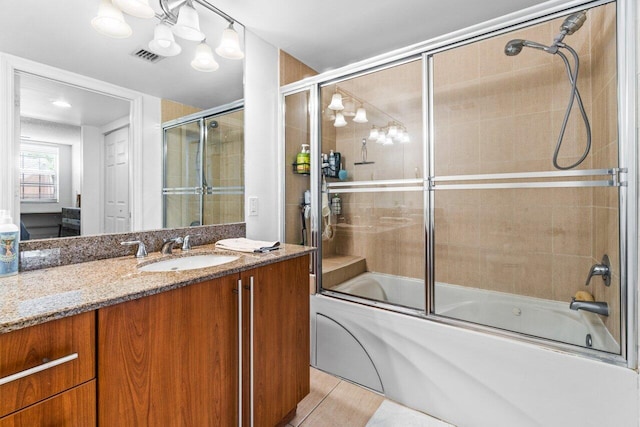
116 172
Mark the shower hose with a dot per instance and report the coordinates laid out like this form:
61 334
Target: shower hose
575 93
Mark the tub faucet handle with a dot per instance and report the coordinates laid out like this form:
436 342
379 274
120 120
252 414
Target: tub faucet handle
603 269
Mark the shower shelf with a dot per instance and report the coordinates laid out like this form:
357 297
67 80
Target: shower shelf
294 166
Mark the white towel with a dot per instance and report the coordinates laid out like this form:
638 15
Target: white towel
242 244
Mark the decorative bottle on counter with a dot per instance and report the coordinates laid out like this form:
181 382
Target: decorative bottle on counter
9 234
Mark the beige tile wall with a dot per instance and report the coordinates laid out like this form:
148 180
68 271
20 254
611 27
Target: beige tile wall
296 134
496 114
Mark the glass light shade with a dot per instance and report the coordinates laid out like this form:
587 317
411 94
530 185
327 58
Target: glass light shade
405 138
388 141
349 109
330 114
110 22
204 60
381 138
163 42
399 135
230 44
336 102
361 116
340 121
188 24
393 130
374 134
137 8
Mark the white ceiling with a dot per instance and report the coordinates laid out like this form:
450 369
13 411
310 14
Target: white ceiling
323 34
87 108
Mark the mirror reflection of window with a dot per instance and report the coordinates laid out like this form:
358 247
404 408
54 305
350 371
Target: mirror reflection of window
38 173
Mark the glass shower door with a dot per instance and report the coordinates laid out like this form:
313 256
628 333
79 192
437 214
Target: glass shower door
182 175
204 171
372 191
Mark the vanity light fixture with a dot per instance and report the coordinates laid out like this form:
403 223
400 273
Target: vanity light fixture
340 121
204 60
178 17
230 44
349 108
163 42
137 8
110 22
373 134
393 130
388 141
361 115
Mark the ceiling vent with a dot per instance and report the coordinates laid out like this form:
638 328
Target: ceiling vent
147 56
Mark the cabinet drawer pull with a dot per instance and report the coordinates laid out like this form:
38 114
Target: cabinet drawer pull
38 368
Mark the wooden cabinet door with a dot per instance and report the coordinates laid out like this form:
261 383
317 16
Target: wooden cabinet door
65 347
171 359
279 296
73 408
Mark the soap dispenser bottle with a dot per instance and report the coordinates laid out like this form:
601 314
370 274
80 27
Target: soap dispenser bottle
9 233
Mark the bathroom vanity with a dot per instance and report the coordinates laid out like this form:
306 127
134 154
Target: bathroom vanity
195 347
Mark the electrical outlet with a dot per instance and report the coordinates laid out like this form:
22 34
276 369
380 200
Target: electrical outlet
253 206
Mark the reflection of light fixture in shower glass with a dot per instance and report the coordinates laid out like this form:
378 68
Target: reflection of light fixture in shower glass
230 44
381 138
61 103
373 134
393 130
163 42
340 121
336 102
110 22
361 115
204 60
388 141
349 108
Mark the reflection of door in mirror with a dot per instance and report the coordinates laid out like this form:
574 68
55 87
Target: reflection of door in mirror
204 170
70 123
116 183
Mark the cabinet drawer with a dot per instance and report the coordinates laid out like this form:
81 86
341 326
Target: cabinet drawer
73 408
40 361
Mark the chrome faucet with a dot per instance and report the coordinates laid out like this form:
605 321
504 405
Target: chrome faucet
167 245
592 306
603 269
142 250
186 243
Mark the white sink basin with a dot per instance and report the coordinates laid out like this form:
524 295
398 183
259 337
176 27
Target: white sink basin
188 263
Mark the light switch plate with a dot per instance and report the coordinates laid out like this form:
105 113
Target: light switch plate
253 206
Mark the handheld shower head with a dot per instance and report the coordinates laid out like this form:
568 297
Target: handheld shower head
514 47
573 22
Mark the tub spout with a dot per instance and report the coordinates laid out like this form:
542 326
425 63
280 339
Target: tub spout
594 307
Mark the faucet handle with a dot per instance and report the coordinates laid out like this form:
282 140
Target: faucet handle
142 250
186 243
603 269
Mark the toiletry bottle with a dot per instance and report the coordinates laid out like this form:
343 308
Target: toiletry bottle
336 205
332 161
303 163
9 233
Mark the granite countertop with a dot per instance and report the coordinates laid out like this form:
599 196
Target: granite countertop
38 296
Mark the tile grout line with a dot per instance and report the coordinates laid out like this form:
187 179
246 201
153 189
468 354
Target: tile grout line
320 402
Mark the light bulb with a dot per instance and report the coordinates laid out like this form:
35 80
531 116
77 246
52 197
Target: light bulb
204 60
163 42
110 22
340 121
336 102
230 44
188 24
137 8
361 115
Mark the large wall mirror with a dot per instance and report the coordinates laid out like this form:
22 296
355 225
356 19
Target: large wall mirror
82 148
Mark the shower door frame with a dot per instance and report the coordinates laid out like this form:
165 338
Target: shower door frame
201 190
627 161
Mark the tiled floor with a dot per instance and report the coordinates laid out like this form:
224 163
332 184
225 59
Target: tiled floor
333 402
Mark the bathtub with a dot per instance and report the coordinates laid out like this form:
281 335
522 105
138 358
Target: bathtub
464 376
537 317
